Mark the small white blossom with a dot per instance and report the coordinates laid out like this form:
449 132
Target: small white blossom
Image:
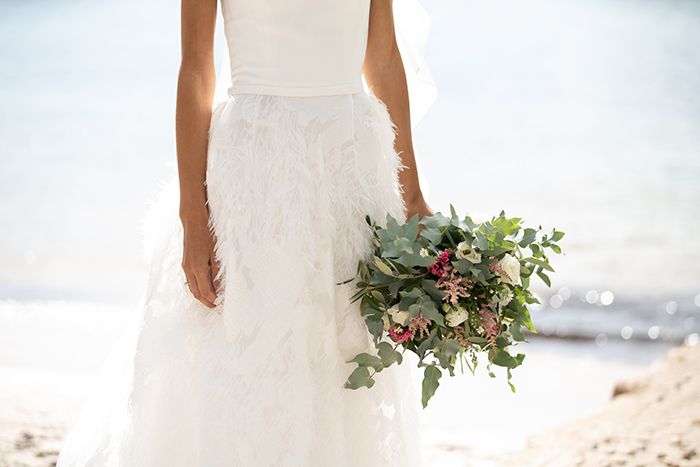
505 297
424 252
465 251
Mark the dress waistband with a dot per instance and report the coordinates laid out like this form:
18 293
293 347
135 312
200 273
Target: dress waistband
296 91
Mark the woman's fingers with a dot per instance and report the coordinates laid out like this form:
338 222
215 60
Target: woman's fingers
215 268
192 284
199 264
214 265
205 286
199 284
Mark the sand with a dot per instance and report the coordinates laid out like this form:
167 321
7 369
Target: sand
651 421
29 444
34 406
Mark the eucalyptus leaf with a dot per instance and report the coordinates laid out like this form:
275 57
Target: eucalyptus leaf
411 260
529 236
431 381
557 235
388 355
545 278
411 228
450 347
359 378
431 289
432 234
375 326
539 262
368 360
502 358
427 344
430 311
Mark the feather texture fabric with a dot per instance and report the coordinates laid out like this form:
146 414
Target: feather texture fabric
258 382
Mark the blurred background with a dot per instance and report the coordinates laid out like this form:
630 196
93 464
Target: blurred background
582 115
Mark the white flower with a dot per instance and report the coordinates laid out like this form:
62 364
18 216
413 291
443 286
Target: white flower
456 317
505 297
465 251
424 252
399 316
508 269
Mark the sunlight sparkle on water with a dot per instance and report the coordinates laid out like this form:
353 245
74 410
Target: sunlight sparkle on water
601 339
555 301
671 307
592 296
607 298
653 332
565 293
626 332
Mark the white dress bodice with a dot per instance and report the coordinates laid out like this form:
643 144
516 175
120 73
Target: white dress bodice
296 47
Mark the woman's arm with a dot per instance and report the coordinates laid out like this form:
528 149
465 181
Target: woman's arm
195 91
384 72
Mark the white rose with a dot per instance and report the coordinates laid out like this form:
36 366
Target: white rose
399 316
456 317
465 251
508 269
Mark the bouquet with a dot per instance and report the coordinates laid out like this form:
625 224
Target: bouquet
449 289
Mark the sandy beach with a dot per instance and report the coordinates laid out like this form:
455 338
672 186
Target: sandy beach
562 415
34 408
653 420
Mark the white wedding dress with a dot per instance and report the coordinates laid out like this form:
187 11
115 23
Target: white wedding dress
299 153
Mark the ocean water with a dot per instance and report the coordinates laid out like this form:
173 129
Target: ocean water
579 114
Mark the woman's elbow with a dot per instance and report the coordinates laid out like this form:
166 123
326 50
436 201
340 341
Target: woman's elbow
385 59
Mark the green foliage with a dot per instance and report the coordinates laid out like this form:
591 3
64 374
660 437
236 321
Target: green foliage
431 381
398 279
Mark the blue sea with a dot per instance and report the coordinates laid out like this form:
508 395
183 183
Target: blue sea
578 114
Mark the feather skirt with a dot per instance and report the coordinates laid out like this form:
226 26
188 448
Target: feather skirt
258 382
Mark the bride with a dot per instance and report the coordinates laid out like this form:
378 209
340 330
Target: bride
244 333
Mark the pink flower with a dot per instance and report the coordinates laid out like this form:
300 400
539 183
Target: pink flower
492 328
419 325
399 334
454 284
444 257
436 270
460 337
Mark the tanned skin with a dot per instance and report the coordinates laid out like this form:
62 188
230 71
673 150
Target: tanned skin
383 70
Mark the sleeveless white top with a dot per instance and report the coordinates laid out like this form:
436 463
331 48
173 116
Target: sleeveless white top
296 47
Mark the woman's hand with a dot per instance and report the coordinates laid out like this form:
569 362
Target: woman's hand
198 260
417 205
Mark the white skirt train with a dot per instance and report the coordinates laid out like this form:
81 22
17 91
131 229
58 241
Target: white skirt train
258 382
